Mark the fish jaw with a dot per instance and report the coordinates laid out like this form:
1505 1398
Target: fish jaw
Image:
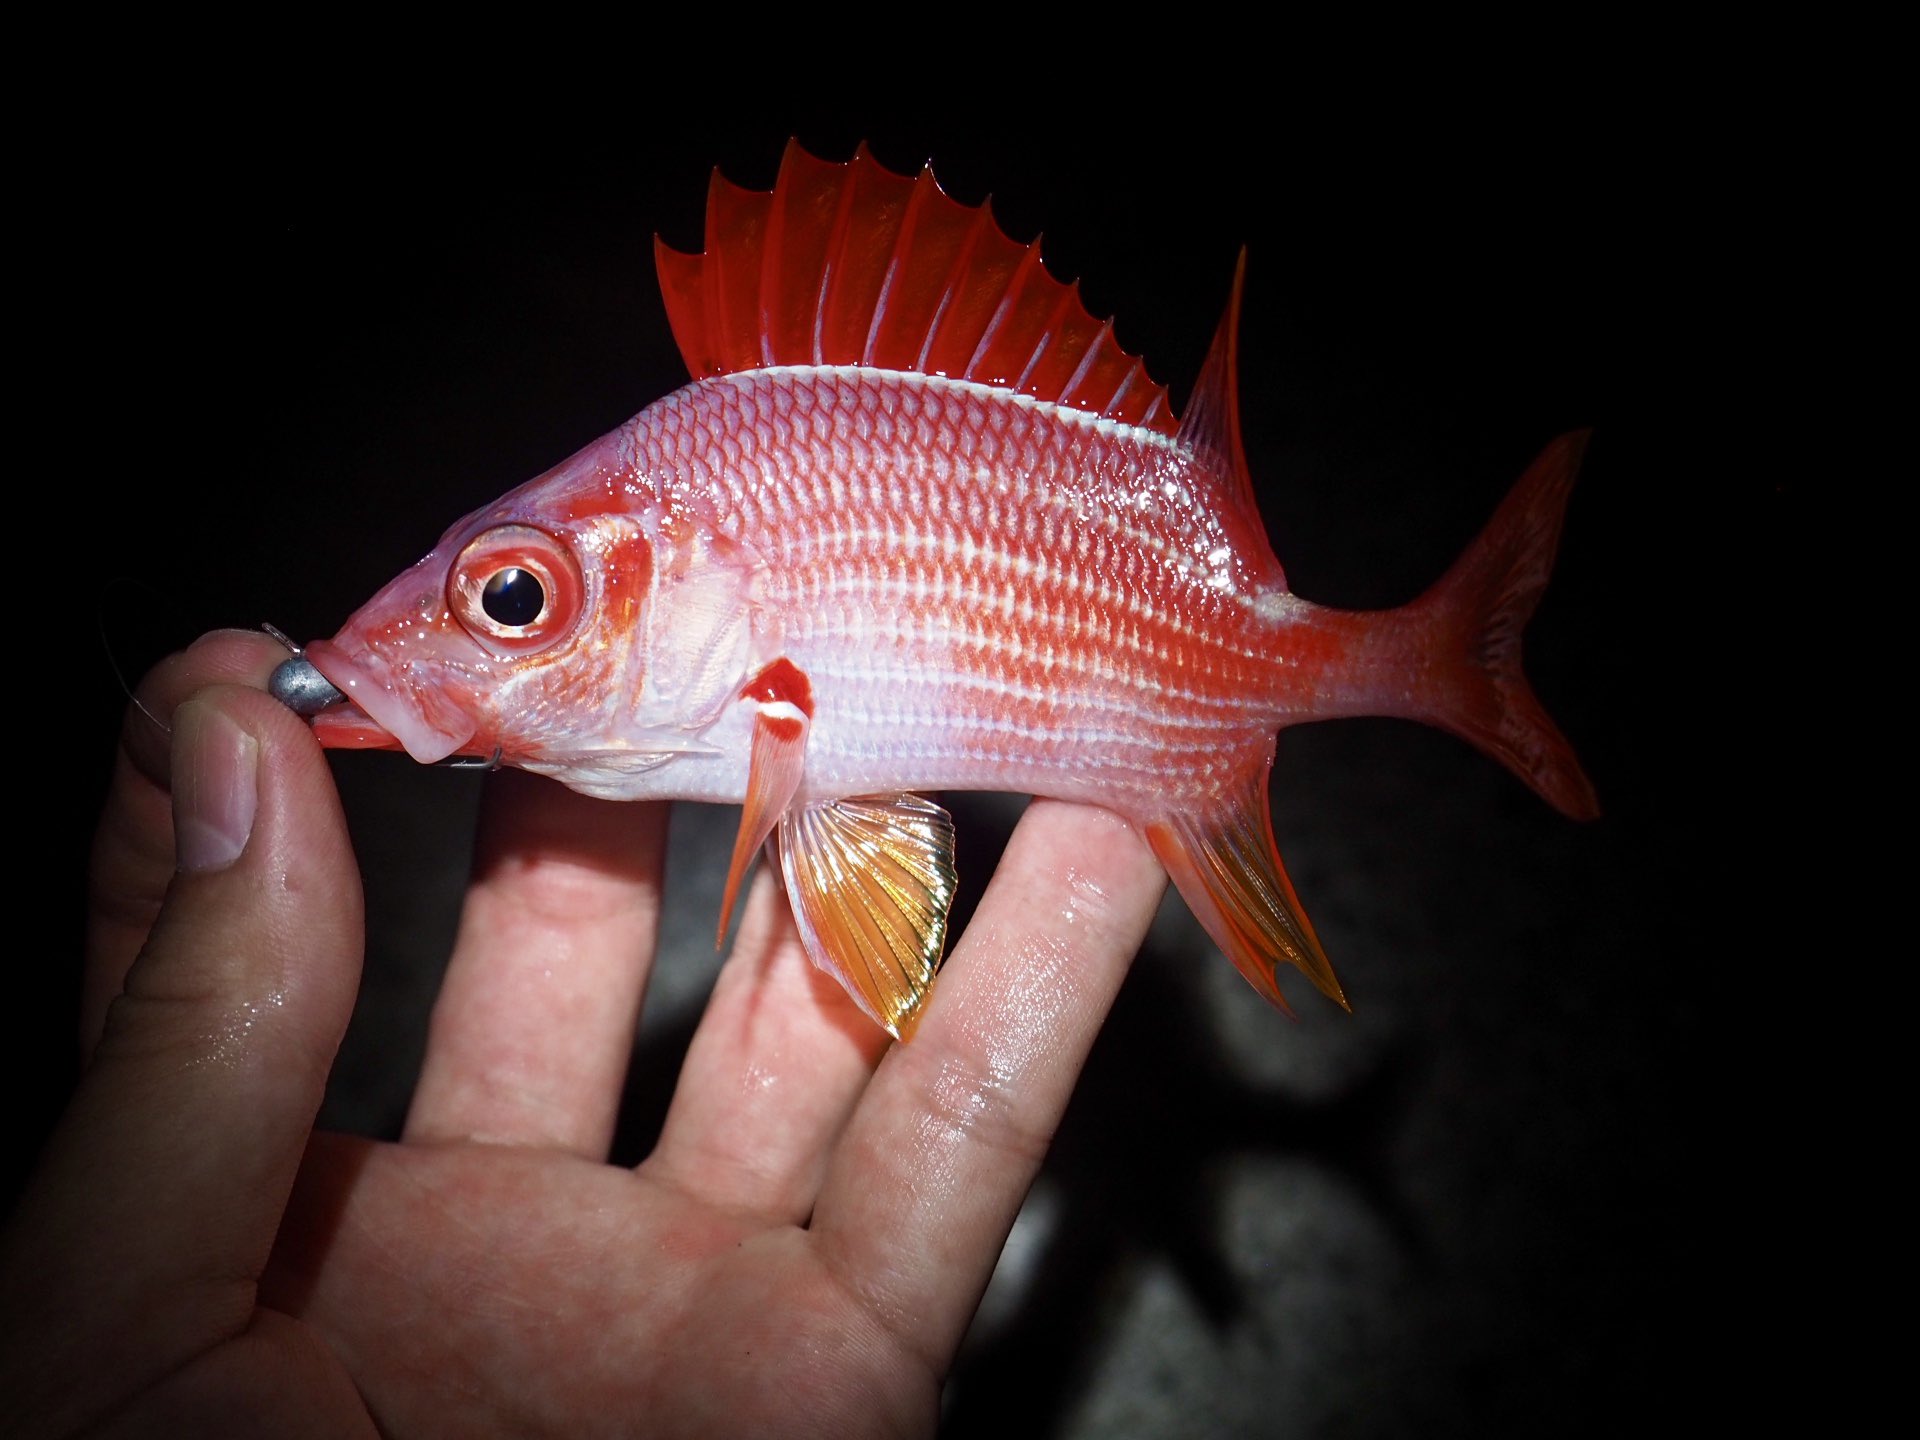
393 707
345 726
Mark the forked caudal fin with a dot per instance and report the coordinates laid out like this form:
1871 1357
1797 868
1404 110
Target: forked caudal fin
1452 659
1473 617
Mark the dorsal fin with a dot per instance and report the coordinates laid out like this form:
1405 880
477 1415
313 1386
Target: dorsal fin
1211 426
854 265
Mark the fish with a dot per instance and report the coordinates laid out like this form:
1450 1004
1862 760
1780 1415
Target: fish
917 524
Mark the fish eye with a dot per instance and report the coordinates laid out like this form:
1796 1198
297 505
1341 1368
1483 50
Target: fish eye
513 597
516 589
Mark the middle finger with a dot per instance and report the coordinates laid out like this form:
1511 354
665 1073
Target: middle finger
534 1024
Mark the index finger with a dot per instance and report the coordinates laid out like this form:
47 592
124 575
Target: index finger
932 1169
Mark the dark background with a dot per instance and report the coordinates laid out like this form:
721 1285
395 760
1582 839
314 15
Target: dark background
1481 1205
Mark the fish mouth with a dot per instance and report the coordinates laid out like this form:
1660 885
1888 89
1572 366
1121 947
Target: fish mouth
382 712
345 726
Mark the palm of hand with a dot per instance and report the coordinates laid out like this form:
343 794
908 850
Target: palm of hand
474 1290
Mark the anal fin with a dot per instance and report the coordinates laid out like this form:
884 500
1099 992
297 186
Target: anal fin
1228 870
870 879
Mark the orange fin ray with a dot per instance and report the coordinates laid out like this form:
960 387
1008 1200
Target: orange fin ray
870 879
854 265
1228 870
774 767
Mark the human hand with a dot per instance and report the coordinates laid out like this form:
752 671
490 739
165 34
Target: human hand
801 1253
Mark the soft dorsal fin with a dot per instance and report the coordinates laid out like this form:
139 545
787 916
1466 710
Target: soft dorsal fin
1211 426
854 265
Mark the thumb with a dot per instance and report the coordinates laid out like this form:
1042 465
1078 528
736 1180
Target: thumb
141 1235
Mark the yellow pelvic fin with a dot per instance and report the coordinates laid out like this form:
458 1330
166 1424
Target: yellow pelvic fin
1228 870
870 879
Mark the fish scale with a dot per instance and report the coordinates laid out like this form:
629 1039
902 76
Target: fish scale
920 524
999 663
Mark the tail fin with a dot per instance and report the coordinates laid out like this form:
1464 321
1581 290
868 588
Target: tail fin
1477 611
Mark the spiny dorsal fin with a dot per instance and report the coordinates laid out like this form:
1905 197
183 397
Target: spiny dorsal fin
854 265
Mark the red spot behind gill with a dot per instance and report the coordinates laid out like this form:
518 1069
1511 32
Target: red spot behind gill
782 680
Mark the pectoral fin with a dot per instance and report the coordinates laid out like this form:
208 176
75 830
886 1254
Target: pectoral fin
1228 870
870 879
777 761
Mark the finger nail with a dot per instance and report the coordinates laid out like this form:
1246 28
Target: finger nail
215 787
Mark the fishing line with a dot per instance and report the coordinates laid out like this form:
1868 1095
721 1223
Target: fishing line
120 674
107 644
120 677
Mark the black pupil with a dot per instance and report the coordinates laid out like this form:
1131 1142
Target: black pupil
513 597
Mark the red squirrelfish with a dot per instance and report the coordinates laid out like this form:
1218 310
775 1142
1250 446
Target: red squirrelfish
918 524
